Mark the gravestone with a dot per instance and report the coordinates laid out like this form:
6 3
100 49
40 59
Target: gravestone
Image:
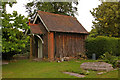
97 66
93 56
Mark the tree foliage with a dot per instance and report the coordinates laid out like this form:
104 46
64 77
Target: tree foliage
12 38
93 33
14 27
64 8
107 19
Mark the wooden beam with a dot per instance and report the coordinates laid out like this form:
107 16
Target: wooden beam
31 47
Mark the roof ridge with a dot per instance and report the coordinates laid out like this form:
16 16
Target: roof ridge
56 14
61 23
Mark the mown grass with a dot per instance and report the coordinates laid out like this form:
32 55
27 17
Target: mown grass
31 69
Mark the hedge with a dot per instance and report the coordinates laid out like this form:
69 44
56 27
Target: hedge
102 44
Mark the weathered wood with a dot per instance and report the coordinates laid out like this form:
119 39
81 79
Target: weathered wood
64 44
31 47
45 45
69 44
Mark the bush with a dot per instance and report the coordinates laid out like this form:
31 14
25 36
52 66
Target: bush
102 44
108 58
8 56
118 47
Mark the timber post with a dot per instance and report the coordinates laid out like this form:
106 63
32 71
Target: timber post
31 47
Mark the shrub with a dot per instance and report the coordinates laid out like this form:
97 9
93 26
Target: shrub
107 57
118 47
102 44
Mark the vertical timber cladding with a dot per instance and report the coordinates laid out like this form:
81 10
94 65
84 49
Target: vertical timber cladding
45 45
69 44
31 46
35 47
51 46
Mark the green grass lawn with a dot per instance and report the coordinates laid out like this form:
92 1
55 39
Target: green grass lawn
31 69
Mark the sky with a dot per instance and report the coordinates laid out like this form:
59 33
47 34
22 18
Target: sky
84 16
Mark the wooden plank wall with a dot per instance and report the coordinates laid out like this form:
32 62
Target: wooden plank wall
68 44
45 45
31 47
34 47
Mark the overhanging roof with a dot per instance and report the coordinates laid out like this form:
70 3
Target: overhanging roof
61 23
35 29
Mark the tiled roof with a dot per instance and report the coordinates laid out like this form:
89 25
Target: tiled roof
35 29
61 23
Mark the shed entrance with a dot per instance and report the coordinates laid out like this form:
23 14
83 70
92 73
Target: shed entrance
40 42
40 55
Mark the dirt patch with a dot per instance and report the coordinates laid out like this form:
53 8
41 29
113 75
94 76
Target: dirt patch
74 74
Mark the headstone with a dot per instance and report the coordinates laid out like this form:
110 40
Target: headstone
97 66
94 56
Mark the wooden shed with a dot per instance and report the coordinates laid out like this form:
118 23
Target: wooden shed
55 35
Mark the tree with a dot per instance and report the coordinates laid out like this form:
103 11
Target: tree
107 19
93 33
14 27
64 8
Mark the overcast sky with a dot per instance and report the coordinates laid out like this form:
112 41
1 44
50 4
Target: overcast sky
84 7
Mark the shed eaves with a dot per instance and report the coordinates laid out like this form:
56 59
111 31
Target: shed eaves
61 23
35 29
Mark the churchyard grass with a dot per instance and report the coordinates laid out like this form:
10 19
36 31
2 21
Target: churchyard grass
32 69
